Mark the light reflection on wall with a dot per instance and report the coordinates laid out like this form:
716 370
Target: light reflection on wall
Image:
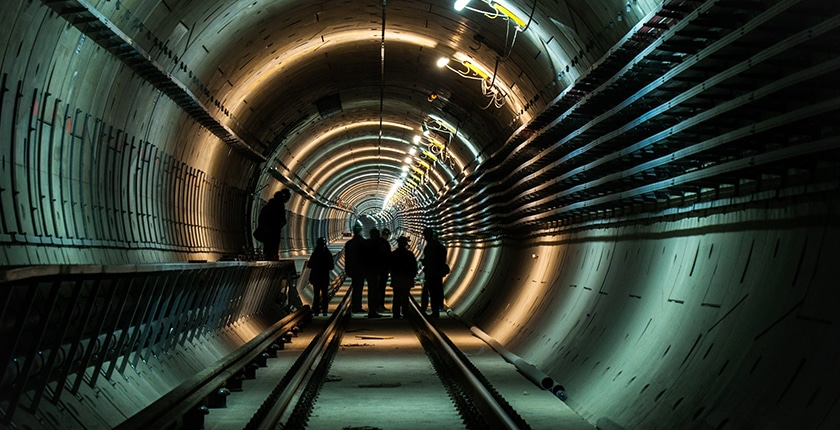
308 144
531 294
642 320
469 279
322 178
289 57
246 330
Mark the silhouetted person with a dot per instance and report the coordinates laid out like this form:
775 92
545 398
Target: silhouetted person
320 264
270 223
403 270
375 257
434 268
383 273
354 267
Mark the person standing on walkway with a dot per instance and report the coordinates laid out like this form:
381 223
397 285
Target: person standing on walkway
434 269
376 257
403 271
270 224
354 267
384 270
320 264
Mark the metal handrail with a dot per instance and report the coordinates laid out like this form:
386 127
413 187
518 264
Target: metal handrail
60 322
172 406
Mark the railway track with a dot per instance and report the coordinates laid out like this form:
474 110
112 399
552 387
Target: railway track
344 371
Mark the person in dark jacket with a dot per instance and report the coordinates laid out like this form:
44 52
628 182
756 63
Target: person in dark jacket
384 270
434 269
354 267
320 264
376 257
403 269
270 223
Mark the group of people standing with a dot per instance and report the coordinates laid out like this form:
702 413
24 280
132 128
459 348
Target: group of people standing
371 260
368 260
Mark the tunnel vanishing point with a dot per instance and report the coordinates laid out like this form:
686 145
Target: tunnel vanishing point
640 197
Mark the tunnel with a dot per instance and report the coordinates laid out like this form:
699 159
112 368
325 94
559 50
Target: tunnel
639 197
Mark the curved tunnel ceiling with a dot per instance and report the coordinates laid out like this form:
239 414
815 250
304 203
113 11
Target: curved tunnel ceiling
358 83
641 196
333 95
558 100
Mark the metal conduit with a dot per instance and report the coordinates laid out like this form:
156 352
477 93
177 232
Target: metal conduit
663 120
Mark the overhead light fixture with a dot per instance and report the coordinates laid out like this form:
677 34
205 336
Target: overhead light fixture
507 12
473 71
389 199
437 124
499 9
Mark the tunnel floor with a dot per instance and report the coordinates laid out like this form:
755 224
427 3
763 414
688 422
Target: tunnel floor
381 379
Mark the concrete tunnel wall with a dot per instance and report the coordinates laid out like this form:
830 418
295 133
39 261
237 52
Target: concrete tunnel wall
98 165
714 319
711 319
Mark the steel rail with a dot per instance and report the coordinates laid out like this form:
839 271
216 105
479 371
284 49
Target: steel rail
478 403
108 317
277 404
479 397
171 407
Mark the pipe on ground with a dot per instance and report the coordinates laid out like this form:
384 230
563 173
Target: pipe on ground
530 371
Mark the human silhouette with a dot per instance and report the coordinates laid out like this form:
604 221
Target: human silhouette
354 251
373 262
270 223
403 269
434 269
320 264
384 271
376 256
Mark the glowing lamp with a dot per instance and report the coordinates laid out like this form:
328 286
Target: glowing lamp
506 12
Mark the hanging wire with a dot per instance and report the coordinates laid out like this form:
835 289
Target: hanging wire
381 98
